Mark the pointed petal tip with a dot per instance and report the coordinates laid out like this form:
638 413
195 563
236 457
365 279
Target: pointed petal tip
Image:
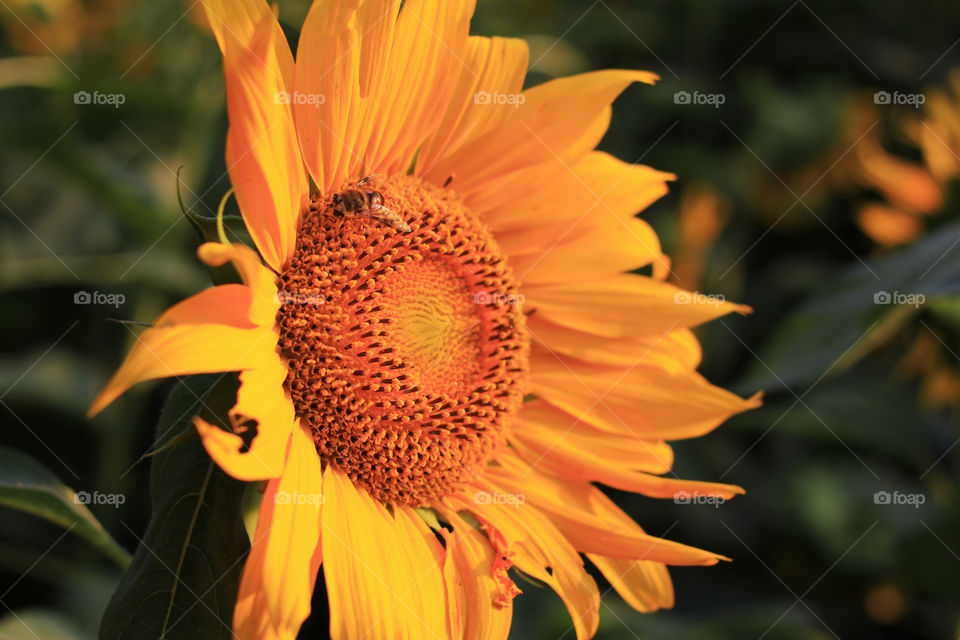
101 402
637 75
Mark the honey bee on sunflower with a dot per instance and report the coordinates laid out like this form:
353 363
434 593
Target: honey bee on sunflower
455 443
361 198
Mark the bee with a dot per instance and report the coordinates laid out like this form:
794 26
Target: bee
363 199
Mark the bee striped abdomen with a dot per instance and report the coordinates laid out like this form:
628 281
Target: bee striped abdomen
354 200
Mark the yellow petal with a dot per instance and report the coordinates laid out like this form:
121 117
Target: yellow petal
535 545
564 461
575 253
330 109
374 63
238 20
550 121
225 304
559 443
502 190
553 233
263 156
647 402
383 570
567 464
177 346
459 607
570 507
284 560
676 351
491 68
470 565
624 305
644 585
597 183
263 405
262 281
426 57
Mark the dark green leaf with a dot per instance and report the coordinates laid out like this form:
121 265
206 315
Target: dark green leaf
848 318
185 574
27 485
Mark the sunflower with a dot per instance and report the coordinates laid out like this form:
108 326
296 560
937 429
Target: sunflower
449 355
911 193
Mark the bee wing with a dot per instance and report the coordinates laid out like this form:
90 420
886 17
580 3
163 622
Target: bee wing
377 212
372 179
381 214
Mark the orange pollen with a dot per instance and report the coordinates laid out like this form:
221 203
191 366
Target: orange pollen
407 352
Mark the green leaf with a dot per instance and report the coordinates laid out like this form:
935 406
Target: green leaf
429 516
849 317
159 270
206 226
27 485
208 230
946 310
185 574
39 623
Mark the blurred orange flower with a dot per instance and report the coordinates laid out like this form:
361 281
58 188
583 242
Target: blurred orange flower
702 216
911 190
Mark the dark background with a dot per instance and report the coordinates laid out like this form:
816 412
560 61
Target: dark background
860 397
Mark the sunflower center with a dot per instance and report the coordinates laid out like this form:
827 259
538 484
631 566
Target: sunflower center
407 351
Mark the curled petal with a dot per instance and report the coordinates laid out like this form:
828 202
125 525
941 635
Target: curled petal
285 552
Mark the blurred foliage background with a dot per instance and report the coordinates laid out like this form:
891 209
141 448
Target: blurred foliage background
805 194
